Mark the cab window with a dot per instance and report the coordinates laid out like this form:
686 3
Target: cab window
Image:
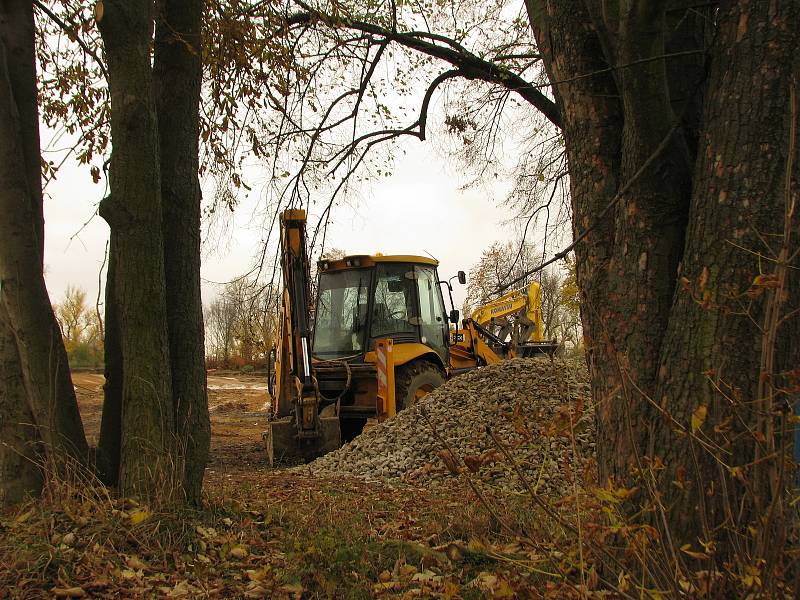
394 306
433 327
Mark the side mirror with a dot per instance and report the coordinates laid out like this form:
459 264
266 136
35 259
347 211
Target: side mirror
462 277
454 315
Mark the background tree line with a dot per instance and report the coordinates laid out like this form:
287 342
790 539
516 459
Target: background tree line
82 329
240 325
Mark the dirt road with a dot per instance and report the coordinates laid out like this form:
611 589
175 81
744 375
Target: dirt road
237 404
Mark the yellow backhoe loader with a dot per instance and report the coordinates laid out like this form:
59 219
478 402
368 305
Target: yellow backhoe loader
377 339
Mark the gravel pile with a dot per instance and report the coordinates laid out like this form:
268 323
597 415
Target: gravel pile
530 405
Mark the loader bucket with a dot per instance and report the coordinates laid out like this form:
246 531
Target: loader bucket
531 349
284 446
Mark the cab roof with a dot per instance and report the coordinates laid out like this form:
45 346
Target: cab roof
369 260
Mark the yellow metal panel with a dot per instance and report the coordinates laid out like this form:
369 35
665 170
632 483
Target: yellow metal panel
405 352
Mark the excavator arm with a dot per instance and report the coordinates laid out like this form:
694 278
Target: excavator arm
508 326
297 430
518 312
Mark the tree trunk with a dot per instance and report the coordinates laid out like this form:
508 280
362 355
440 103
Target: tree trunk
17 31
39 346
20 474
713 351
109 445
177 70
133 211
651 348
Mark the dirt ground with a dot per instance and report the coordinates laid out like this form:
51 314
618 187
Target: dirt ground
237 404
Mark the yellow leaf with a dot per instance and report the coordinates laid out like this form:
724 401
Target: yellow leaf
699 417
23 517
99 9
384 576
624 493
767 280
140 515
736 473
503 590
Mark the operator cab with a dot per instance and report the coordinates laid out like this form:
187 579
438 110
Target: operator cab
364 298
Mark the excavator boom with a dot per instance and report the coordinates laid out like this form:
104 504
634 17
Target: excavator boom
297 430
508 326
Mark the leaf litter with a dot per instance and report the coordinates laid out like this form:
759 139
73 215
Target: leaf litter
284 534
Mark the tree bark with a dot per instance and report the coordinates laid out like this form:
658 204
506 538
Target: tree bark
109 445
20 457
656 353
133 211
177 71
712 352
39 346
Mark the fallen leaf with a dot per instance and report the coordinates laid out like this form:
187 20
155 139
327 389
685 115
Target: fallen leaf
182 588
239 552
139 516
71 592
293 588
686 549
699 417
256 574
255 592
23 517
407 570
503 590
135 563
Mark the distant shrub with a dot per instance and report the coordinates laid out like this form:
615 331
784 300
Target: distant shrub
247 369
85 355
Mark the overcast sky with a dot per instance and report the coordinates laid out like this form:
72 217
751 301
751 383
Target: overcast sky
420 209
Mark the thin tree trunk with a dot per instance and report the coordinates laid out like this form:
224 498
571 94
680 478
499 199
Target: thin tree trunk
177 70
109 445
133 211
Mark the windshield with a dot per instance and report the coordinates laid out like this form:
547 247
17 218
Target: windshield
395 309
341 313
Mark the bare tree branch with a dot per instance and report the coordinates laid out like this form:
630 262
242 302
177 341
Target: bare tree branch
469 65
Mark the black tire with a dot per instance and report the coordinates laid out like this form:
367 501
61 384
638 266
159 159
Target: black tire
414 380
351 428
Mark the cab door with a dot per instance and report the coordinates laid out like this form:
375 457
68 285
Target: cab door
432 317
